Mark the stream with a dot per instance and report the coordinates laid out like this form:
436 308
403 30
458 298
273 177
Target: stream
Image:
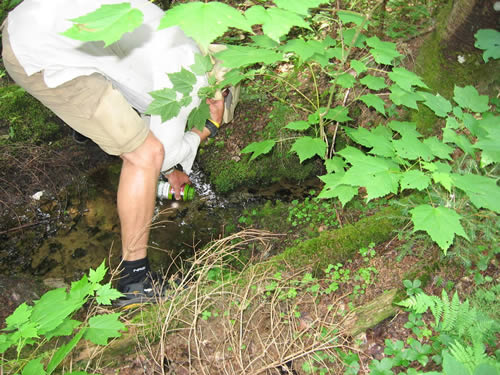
64 236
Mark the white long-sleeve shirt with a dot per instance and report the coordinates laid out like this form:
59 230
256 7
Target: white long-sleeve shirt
136 65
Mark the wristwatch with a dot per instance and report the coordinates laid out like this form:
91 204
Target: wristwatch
177 167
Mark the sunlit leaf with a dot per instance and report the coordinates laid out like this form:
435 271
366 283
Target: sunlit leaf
414 179
198 116
204 22
382 52
379 139
183 81
411 148
373 83
349 34
400 96
438 148
358 66
441 223
307 147
298 125
372 100
105 294
202 64
103 327
406 79
338 114
405 128
108 23
275 22
346 80
34 367
240 56
164 103
489 41
439 105
259 148
483 192
380 176
468 98
347 16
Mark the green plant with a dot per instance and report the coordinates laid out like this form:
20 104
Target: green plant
397 159
51 317
463 330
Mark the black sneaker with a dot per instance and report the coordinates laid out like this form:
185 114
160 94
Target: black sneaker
150 290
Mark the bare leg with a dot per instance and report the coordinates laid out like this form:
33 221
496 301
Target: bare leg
136 196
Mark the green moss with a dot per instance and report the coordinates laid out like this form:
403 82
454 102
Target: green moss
25 119
442 71
227 174
339 245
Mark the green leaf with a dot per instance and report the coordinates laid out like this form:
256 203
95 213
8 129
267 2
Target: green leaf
165 104
204 22
436 167
358 66
108 23
373 83
382 52
263 41
299 6
349 34
489 41
438 148
202 64
199 116
34 367
103 327
335 189
406 79
449 136
298 125
441 223
81 290
63 352
483 192
66 328
259 148
275 22
410 147
414 179
405 128
453 367
241 56
106 294
339 114
335 164
346 80
307 147
347 16
183 81
304 49
20 316
95 277
374 101
439 105
52 308
234 77
379 139
379 176
444 179
400 96
468 98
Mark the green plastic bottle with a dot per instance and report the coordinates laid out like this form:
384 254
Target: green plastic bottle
166 191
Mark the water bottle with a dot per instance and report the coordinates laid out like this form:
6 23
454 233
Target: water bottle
166 191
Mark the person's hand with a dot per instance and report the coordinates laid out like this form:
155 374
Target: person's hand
177 179
216 109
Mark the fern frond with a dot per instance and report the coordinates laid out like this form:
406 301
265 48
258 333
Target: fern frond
418 303
470 357
451 310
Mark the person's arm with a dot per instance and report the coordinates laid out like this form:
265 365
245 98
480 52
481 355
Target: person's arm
178 178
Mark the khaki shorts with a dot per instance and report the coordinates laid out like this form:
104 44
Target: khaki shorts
88 104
